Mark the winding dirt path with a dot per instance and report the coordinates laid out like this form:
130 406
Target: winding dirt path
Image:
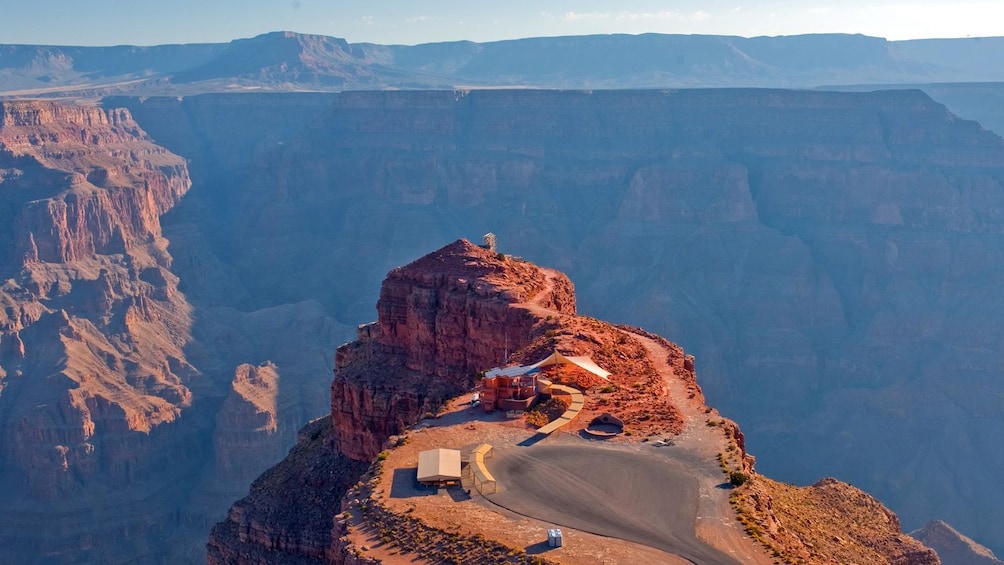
533 304
698 446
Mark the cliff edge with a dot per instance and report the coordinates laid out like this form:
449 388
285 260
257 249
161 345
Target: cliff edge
442 321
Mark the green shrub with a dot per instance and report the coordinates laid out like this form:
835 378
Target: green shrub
382 456
738 478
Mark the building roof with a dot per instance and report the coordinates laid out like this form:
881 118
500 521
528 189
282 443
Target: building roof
437 465
514 371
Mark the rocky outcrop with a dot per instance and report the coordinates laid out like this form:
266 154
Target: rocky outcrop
127 419
107 187
953 548
289 514
248 422
441 320
90 281
828 522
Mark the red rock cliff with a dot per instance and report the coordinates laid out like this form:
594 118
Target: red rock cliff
442 319
107 185
93 328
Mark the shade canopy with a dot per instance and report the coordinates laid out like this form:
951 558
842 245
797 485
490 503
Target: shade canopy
581 362
438 465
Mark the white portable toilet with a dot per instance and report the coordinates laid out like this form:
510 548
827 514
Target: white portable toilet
554 537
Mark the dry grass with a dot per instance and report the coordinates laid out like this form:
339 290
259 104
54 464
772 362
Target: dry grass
829 522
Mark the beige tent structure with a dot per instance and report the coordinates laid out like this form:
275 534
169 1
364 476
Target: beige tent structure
439 466
581 362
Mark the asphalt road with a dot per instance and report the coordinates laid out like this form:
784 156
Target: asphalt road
616 491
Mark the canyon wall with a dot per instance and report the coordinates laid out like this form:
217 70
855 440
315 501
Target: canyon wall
92 333
141 389
831 259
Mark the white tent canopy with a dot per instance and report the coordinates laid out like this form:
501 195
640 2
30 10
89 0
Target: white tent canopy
581 362
438 465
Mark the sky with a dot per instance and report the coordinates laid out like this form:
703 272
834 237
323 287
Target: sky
151 22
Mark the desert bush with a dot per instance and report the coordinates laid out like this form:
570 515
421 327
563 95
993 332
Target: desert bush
547 411
738 478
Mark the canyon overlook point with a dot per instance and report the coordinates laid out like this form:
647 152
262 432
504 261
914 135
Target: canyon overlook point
347 492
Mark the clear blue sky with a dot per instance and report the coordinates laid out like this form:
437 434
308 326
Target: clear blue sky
149 22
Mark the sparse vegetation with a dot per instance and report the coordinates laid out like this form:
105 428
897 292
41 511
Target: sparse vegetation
738 478
546 412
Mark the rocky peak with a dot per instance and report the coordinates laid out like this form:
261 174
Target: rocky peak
441 320
953 547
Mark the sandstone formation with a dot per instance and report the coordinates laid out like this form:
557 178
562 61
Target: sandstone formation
953 548
442 319
131 415
93 329
89 278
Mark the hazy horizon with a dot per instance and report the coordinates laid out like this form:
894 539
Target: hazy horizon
113 22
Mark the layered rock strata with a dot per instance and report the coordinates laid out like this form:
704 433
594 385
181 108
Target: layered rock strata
442 320
84 190
93 327
130 416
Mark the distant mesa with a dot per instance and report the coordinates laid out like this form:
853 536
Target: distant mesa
287 61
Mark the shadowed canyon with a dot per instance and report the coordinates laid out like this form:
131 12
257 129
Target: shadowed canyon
178 271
